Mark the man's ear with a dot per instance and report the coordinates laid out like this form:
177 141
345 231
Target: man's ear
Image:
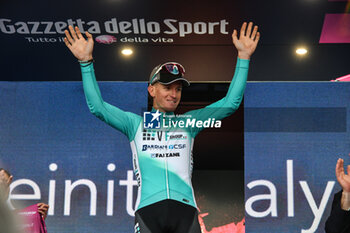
151 90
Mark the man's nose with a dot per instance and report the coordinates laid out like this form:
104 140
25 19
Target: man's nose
173 93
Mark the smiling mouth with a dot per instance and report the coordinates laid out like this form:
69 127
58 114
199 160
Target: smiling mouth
172 101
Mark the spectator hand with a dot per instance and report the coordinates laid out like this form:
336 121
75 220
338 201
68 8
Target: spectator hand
344 181
42 209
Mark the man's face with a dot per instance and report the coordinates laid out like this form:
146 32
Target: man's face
166 98
5 182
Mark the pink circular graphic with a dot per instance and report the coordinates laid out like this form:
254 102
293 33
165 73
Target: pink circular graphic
106 39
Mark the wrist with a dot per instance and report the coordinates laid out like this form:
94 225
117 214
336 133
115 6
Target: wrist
345 201
243 55
86 58
87 61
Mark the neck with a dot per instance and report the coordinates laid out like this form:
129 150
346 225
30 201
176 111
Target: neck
160 110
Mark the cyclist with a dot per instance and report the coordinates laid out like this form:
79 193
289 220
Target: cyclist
162 159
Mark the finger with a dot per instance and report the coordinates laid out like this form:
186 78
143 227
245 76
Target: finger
69 38
348 169
339 169
249 29
89 37
42 204
244 26
43 207
79 35
255 30
234 36
66 42
72 32
39 205
257 38
43 214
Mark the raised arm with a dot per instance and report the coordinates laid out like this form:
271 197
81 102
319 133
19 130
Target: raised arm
82 49
245 45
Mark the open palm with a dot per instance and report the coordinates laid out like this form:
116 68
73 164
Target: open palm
78 45
247 41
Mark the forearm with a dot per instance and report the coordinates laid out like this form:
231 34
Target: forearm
236 90
91 89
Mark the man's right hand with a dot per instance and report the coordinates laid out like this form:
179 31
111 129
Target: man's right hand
78 45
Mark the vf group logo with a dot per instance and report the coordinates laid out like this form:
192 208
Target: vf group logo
151 120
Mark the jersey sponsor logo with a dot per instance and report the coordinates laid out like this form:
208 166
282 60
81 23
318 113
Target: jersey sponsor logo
177 146
156 135
163 155
176 137
152 135
163 147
